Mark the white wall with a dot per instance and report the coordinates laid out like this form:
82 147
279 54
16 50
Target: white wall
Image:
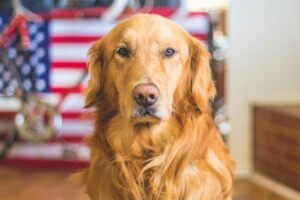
264 65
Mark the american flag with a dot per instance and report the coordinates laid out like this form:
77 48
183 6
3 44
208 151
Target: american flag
31 64
59 54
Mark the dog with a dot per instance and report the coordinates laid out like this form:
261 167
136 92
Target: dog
154 136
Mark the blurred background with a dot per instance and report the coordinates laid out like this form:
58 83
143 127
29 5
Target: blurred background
255 64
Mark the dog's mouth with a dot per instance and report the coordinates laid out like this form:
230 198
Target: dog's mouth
144 114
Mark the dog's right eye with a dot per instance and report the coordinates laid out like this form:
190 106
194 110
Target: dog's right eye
169 52
124 52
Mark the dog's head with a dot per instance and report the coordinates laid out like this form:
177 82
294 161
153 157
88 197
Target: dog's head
147 68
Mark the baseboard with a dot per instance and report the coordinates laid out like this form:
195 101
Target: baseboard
242 175
275 186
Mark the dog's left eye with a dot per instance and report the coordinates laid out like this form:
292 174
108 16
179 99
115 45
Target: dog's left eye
169 52
123 51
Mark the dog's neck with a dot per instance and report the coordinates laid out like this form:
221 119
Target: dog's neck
147 153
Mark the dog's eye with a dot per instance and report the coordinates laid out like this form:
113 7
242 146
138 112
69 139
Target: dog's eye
123 51
169 52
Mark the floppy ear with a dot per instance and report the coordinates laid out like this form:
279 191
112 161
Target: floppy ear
96 65
202 87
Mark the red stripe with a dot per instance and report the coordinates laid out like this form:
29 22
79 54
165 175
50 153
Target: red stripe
96 12
65 115
69 139
74 39
62 90
7 114
89 39
45 163
73 115
69 65
62 138
74 13
201 36
163 11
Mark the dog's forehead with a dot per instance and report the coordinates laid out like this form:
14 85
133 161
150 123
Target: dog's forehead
148 26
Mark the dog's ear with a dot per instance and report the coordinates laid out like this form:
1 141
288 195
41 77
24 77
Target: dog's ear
201 85
96 67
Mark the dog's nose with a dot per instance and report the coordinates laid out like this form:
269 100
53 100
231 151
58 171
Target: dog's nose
145 94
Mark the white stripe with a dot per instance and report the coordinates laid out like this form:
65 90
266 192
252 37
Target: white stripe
9 104
48 151
96 27
74 103
79 27
70 127
13 104
79 127
195 24
65 77
74 52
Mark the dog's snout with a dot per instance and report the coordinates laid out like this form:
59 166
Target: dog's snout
145 94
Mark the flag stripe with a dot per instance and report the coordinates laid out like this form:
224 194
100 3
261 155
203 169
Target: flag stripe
49 150
79 27
76 13
98 12
69 52
89 39
61 138
74 39
9 115
65 77
64 90
37 163
68 65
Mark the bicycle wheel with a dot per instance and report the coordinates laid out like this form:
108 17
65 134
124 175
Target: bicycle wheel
37 120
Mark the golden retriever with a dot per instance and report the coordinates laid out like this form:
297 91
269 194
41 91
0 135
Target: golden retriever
154 137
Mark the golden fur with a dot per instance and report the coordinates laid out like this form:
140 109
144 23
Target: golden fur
177 155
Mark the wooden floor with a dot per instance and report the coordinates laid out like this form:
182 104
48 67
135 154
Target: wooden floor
24 184
246 190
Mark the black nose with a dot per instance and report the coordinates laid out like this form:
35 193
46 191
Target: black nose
145 94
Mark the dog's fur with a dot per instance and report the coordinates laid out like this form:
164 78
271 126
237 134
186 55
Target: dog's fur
176 154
